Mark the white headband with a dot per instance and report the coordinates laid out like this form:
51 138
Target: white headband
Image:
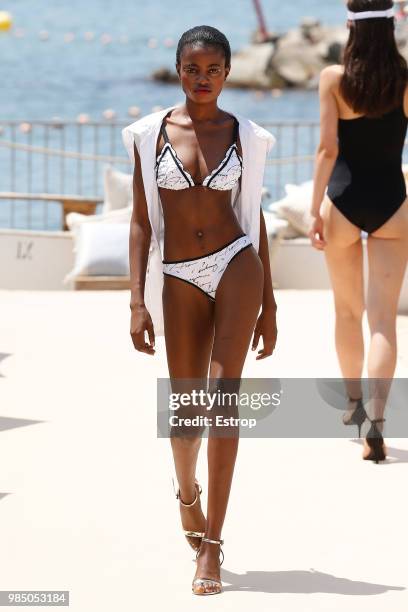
370 14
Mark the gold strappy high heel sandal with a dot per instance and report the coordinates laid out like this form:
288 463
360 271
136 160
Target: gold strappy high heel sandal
208 586
187 533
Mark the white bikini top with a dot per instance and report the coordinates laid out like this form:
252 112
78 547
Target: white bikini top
171 174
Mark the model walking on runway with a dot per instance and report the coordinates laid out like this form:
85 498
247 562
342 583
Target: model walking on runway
364 108
215 263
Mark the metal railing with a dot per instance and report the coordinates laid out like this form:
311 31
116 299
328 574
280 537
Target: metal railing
65 160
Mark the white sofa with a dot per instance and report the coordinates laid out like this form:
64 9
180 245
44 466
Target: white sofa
36 260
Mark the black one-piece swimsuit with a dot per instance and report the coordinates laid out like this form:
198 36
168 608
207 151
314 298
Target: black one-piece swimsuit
367 183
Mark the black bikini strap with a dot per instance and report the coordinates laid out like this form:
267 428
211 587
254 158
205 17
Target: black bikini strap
236 129
164 132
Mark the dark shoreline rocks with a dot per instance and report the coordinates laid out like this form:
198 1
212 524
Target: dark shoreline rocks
293 59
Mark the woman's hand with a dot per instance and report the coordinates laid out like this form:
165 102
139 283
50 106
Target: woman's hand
140 322
265 327
316 233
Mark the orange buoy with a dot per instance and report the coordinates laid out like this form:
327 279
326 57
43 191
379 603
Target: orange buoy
6 21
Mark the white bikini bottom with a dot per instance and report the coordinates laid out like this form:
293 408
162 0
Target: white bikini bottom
205 272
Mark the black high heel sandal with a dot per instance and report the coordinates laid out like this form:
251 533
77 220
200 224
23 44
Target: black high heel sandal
357 416
375 441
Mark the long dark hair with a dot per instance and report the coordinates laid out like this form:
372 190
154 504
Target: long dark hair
375 73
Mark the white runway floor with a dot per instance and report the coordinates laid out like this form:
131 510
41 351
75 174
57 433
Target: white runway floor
86 500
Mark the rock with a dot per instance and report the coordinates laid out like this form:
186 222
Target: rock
303 52
294 59
258 38
252 67
334 53
297 67
311 29
165 75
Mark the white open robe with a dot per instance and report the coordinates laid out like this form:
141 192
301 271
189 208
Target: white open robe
256 143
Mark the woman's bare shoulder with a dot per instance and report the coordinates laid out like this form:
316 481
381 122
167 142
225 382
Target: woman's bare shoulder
331 75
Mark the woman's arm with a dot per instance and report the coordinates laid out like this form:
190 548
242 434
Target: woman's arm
266 324
327 151
139 244
139 237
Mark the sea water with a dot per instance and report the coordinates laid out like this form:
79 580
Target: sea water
61 59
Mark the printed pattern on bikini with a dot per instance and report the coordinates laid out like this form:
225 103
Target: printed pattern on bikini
206 272
170 173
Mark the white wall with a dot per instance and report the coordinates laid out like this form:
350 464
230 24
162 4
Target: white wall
35 260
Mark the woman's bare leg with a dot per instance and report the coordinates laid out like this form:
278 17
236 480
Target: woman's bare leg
344 257
189 330
387 255
242 283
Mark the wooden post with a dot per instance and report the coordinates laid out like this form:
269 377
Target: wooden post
261 19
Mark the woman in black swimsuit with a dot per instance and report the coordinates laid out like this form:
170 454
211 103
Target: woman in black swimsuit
364 108
215 281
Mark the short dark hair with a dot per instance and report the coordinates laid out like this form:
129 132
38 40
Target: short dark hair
206 36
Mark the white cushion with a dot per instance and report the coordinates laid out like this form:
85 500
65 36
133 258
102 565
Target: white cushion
101 249
275 209
118 189
122 215
295 206
74 220
275 226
